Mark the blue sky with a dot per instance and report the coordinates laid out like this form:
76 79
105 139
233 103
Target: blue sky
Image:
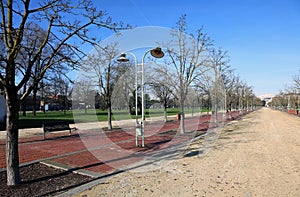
262 37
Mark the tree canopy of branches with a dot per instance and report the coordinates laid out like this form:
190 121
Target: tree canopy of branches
186 57
288 98
102 68
163 92
40 36
296 80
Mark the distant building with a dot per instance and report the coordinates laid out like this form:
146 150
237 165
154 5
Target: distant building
49 103
266 99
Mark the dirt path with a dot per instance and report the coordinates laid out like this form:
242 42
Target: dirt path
256 156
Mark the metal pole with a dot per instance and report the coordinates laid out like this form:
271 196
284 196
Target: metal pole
140 130
136 105
136 87
225 113
298 107
143 100
137 127
240 100
136 95
288 106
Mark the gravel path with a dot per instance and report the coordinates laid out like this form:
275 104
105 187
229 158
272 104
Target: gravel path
256 156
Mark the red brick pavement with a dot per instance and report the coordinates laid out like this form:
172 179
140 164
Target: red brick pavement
100 151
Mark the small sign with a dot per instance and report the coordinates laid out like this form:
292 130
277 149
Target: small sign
138 130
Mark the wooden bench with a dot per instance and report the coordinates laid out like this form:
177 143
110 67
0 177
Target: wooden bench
56 126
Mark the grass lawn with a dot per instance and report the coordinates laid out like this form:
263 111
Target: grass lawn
30 121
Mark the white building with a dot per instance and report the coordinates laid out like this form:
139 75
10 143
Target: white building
267 98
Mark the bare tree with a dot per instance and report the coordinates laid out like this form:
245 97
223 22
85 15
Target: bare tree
60 89
186 57
63 30
83 95
280 101
123 92
230 81
289 97
33 36
101 66
164 93
296 80
218 61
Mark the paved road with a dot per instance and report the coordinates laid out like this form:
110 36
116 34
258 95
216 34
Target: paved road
95 151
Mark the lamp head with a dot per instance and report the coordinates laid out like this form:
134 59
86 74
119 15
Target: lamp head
157 52
123 58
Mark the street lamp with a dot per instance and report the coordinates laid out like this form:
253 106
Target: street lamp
157 53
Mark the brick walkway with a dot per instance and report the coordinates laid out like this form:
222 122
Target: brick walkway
96 152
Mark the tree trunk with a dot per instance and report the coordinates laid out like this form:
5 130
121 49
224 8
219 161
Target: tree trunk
165 104
165 113
12 152
109 114
193 110
182 117
34 101
85 108
24 103
129 109
24 108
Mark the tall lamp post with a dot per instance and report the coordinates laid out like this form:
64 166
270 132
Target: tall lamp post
140 127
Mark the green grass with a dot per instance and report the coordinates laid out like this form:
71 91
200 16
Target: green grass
30 121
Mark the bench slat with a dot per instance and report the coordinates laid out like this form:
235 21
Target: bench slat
55 126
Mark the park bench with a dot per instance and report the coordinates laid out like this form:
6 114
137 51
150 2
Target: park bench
56 126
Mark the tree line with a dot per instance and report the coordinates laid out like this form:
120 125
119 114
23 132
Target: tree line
289 98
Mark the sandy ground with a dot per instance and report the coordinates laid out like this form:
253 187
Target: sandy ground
256 156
